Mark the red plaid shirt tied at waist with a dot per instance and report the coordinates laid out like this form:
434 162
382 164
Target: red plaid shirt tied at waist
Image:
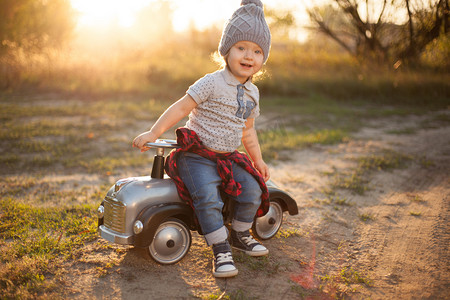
190 142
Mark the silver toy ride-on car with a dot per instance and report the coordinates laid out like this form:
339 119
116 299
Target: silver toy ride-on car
147 212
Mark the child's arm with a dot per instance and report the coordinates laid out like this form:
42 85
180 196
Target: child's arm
251 144
174 114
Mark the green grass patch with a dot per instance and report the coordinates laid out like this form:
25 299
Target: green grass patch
109 108
289 232
334 199
32 240
9 160
52 230
272 141
351 276
54 128
74 135
409 88
409 131
315 112
344 283
13 186
113 163
259 264
356 179
366 217
353 180
387 160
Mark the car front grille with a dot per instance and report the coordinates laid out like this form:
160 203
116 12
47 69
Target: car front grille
114 217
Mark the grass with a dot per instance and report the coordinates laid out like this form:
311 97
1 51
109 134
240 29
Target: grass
350 276
289 232
70 135
44 222
346 281
366 217
262 264
45 227
334 199
410 131
356 179
273 141
33 242
385 161
294 71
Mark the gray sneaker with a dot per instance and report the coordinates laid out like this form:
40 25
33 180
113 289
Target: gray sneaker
223 264
244 241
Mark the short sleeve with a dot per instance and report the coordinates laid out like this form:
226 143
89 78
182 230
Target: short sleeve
202 89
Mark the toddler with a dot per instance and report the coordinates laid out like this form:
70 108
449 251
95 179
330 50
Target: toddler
222 107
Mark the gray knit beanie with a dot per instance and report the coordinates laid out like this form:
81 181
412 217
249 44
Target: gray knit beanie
246 24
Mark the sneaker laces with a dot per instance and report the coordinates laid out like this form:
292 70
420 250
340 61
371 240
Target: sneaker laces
224 258
249 240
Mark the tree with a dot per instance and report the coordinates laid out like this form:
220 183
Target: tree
281 23
32 25
377 29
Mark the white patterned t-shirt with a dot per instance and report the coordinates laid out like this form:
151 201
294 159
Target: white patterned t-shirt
223 106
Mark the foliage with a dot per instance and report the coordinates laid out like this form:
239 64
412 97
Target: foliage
281 23
32 25
372 29
131 62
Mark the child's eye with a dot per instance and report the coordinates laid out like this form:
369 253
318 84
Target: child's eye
241 48
258 51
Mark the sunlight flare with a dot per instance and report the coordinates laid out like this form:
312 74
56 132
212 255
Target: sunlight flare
100 13
199 13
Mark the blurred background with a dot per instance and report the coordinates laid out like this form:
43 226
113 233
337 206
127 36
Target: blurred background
380 50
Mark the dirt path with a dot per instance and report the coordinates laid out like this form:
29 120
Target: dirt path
392 242
407 248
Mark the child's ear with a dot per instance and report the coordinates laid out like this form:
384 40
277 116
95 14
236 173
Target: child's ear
220 60
225 58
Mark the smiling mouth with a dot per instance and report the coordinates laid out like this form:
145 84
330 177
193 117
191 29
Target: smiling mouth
246 65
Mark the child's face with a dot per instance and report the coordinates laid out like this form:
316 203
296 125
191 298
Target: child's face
244 60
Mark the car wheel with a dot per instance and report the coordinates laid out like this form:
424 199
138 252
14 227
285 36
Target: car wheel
267 226
171 242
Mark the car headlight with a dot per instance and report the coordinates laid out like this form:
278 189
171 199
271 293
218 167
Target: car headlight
100 211
138 227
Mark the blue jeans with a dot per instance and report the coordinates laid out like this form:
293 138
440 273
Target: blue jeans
201 178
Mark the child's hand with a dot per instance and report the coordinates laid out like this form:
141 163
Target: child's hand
144 138
262 168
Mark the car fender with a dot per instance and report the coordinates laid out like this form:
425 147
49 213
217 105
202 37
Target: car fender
287 202
151 217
